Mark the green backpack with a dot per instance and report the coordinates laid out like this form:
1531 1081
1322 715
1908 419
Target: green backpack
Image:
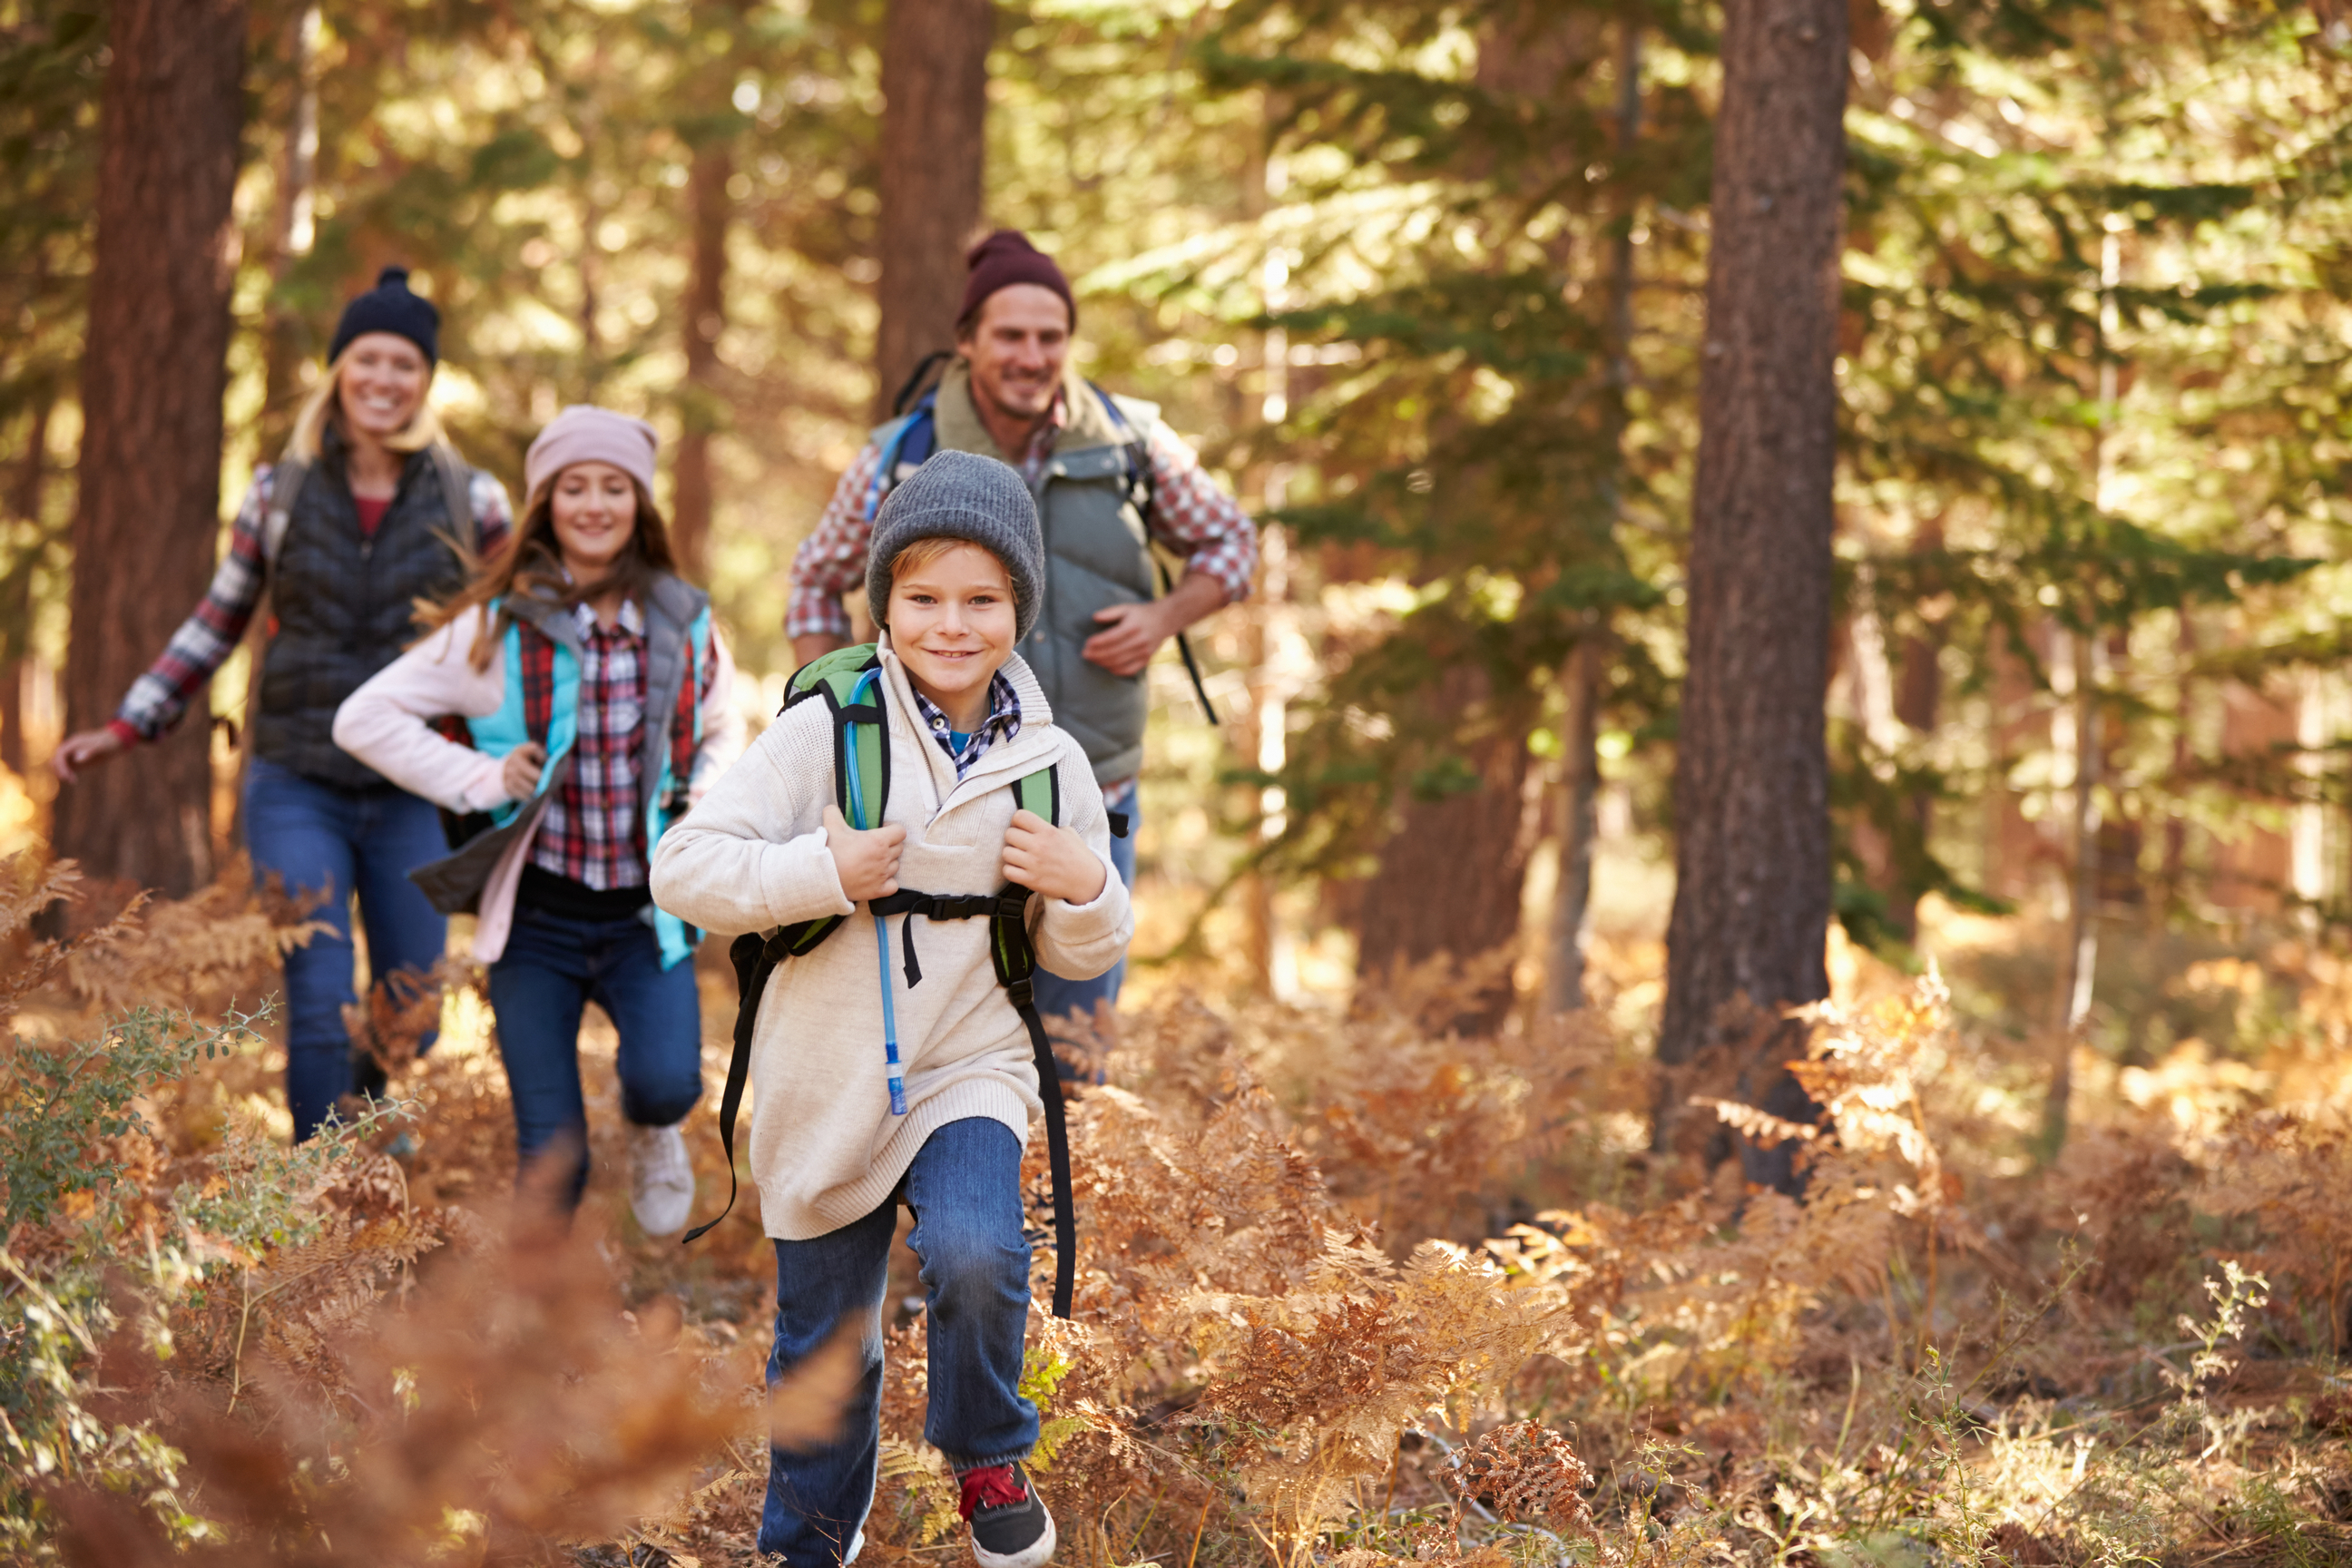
849 682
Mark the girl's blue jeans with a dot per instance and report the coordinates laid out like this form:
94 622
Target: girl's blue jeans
553 966
965 1188
322 839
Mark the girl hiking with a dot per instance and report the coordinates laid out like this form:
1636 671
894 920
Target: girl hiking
596 699
368 509
877 1084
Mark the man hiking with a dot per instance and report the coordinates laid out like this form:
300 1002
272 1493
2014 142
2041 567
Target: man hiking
1110 481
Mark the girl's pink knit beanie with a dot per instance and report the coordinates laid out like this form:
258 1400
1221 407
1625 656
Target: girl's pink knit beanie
586 433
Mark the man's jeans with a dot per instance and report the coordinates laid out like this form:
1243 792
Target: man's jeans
320 837
965 1188
1058 996
553 966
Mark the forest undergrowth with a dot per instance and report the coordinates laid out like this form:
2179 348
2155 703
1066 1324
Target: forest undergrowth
1353 1291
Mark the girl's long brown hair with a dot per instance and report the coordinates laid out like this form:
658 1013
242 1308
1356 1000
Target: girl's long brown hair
533 564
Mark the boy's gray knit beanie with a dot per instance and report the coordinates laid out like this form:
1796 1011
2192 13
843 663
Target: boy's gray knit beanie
962 495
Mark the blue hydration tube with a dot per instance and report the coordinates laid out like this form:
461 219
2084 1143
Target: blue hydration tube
881 930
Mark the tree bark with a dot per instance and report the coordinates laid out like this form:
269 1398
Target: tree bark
153 371
706 317
296 223
1751 776
1571 932
1450 877
16 614
934 115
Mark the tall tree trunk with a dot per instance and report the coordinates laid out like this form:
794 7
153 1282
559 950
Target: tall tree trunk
1751 774
153 371
297 227
705 317
1918 699
1572 908
1450 877
16 614
934 116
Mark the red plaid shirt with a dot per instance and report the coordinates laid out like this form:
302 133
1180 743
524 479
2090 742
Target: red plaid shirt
1191 514
594 828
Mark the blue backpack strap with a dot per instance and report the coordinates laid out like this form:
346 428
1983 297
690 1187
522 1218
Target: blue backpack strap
911 438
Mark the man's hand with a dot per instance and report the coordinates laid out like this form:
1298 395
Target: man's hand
867 862
1052 861
77 752
519 775
1133 633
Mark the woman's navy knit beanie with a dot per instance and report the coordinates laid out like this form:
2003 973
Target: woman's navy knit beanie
389 307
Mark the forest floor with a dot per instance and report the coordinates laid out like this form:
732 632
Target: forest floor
1354 1288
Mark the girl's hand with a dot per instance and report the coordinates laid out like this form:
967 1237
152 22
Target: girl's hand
867 862
77 752
519 775
1052 860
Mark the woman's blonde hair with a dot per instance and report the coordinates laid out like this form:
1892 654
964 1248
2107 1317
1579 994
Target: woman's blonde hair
423 429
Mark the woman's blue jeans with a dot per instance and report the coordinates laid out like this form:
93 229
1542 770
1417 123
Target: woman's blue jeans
320 837
965 1188
553 966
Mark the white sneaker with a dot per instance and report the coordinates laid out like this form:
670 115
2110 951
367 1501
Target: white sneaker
661 1179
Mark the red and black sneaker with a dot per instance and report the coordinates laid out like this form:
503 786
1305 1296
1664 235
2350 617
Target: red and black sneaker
1009 1526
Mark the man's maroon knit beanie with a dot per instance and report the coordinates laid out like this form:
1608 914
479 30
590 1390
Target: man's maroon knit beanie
1002 259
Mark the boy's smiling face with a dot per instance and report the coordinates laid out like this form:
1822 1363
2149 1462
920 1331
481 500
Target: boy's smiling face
952 623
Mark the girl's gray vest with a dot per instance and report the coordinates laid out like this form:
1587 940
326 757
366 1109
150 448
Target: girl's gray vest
343 602
1091 499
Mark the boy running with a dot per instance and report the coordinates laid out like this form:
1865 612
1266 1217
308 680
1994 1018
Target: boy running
954 580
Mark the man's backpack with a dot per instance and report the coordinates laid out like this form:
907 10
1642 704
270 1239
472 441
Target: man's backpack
849 683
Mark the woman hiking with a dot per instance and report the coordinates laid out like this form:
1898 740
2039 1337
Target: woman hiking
596 699
369 509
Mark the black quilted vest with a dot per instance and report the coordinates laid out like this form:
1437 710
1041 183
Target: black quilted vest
344 607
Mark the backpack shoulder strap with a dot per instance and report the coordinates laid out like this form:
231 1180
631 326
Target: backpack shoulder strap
1041 792
1016 958
847 681
458 496
285 484
911 438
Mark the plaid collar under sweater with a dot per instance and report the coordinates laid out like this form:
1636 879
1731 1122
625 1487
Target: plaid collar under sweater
1003 722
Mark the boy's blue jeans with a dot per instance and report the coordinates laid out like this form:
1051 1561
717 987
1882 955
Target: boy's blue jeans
553 966
322 838
965 1188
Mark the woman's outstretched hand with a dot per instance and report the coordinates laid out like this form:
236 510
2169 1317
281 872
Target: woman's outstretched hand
75 752
1050 861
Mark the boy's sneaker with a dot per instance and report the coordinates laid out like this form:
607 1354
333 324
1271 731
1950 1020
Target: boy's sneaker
1009 1526
661 1179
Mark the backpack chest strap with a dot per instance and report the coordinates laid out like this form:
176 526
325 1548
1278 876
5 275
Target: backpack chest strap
908 903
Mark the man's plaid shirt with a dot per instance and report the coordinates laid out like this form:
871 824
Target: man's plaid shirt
1189 514
1003 722
594 828
205 639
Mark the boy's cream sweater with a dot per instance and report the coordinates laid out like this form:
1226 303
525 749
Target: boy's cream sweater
825 1150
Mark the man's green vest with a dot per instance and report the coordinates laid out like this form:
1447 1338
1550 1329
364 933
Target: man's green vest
1098 555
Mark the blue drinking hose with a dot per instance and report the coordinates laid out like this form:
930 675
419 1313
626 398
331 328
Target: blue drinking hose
881 935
